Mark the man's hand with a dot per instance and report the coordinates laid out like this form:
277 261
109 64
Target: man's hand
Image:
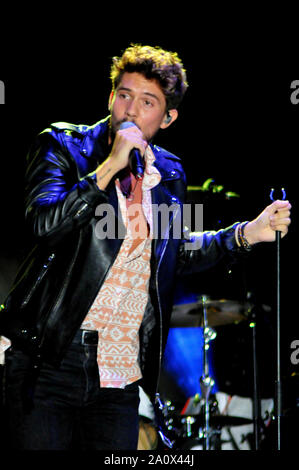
125 140
274 217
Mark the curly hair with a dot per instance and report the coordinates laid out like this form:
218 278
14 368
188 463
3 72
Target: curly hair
154 63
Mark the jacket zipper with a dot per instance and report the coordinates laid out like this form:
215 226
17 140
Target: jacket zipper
81 210
64 284
159 302
40 277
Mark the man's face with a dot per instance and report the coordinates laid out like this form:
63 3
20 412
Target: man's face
141 101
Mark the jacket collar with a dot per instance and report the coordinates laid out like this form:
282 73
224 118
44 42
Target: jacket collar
95 141
168 164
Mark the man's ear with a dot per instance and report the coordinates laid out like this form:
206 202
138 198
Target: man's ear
170 116
110 100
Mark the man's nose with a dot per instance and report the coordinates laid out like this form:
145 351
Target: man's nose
132 108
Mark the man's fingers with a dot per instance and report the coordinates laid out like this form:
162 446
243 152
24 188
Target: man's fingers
276 224
278 205
280 214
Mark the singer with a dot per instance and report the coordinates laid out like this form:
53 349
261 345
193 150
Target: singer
86 321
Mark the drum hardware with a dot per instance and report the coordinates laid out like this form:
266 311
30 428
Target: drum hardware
174 428
188 421
168 415
206 313
192 428
221 421
256 397
206 382
258 426
162 411
203 427
180 431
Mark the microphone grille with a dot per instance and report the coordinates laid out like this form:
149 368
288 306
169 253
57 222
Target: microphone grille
126 125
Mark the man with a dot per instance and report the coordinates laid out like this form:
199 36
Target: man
88 315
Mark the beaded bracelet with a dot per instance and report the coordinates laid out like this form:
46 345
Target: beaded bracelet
243 242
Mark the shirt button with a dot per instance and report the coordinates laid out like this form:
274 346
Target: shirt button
173 173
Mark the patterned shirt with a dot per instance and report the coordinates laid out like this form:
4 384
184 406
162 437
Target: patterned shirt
118 309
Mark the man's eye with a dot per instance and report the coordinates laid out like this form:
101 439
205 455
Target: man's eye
148 103
124 96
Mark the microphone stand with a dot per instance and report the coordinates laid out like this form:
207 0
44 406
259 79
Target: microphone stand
278 394
278 391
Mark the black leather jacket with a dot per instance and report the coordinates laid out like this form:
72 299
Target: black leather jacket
60 278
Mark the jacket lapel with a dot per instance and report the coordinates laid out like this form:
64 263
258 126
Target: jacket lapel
163 194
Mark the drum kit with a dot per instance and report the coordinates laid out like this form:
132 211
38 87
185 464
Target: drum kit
199 423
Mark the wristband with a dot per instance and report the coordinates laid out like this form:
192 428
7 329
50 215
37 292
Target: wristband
243 242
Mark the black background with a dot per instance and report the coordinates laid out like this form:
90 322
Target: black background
236 125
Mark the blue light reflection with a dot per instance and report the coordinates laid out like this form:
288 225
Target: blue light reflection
183 359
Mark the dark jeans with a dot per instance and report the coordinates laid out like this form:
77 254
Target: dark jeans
70 410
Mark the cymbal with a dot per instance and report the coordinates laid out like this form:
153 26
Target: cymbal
220 420
219 312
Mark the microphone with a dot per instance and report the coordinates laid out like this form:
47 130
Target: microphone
136 160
